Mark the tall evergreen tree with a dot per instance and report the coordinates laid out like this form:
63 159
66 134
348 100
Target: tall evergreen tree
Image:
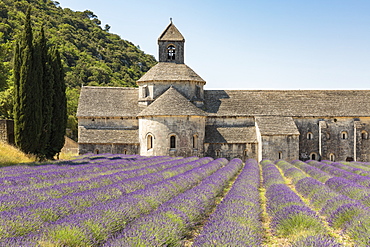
27 107
59 106
47 82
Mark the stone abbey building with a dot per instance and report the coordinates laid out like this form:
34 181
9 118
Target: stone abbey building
170 113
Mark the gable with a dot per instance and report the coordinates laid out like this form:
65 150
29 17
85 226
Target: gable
172 103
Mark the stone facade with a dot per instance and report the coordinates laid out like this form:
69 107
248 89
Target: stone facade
170 113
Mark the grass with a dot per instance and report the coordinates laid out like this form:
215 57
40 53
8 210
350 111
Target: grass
10 155
67 156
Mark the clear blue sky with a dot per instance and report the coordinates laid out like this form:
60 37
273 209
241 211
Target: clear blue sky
253 44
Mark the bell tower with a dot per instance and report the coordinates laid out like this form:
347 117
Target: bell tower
171 45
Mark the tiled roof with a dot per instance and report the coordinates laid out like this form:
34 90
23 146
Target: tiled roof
171 33
170 72
275 125
172 103
116 136
123 102
216 134
295 103
108 102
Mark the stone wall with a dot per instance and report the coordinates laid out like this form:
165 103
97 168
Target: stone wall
308 145
280 147
363 140
184 128
334 138
7 131
108 148
163 45
229 151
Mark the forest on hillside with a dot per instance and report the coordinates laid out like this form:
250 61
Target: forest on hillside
91 55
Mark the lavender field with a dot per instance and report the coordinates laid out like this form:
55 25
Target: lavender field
131 200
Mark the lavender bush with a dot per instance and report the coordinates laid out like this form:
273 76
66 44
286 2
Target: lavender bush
236 221
290 216
169 223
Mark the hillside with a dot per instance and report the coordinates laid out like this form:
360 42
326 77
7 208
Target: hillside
91 55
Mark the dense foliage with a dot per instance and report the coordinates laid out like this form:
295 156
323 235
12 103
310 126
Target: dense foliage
131 200
40 114
90 54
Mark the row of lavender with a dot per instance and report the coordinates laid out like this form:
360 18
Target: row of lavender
31 211
334 194
70 221
115 200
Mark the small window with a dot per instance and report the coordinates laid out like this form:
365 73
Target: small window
309 136
218 153
124 151
280 155
313 156
197 92
173 142
195 141
96 151
145 91
364 135
171 52
344 135
331 157
245 153
149 141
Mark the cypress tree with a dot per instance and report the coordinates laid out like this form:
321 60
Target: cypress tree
40 104
27 107
59 106
47 82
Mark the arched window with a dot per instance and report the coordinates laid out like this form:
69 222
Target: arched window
344 135
149 142
331 157
313 156
218 153
173 142
309 136
280 155
195 141
124 151
96 151
364 135
245 153
171 52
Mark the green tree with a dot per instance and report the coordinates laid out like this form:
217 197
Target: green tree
47 81
27 92
59 107
4 72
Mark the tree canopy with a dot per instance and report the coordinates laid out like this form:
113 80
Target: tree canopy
91 56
